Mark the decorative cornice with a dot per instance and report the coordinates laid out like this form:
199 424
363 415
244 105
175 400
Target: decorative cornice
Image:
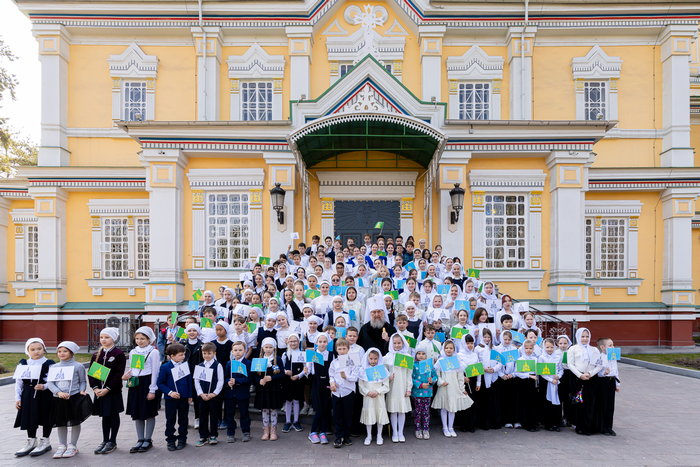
520 144
596 64
639 179
14 192
133 63
256 63
507 178
613 208
475 64
219 178
23 216
224 144
108 207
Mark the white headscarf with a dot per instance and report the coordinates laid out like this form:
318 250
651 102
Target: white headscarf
148 332
269 341
224 325
462 362
405 348
365 362
31 341
588 348
111 332
70 345
194 326
565 337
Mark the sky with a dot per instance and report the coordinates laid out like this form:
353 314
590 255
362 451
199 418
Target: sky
24 114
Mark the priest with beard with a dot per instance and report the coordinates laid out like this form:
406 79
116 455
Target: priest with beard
376 332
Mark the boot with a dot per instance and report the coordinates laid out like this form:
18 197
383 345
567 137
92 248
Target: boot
266 433
43 447
29 447
273 433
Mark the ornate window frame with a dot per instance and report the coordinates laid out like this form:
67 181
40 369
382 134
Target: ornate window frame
596 65
22 219
131 209
527 182
133 65
631 210
255 65
475 66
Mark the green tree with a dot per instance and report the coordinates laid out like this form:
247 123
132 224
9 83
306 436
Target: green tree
16 150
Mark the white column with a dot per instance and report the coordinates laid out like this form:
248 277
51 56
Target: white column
568 182
208 43
4 220
54 54
164 181
255 245
50 210
327 217
678 207
675 57
520 42
300 43
431 61
406 214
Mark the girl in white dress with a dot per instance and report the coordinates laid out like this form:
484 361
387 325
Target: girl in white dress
451 396
373 403
398 401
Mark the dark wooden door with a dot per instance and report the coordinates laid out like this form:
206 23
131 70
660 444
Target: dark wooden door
353 219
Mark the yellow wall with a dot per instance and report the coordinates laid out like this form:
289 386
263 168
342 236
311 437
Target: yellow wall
104 152
695 141
10 258
627 153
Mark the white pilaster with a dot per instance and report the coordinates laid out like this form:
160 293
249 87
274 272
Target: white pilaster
520 42
675 56
327 218
208 43
406 213
4 220
300 43
678 207
164 181
431 61
255 244
568 181
54 54
50 210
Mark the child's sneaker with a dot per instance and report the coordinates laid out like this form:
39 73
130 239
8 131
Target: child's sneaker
201 442
347 442
311 412
426 434
246 437
297 426
338 443
402 439
518 425
380 440
508 425
419 434
324 439
368 441
304 410
70 451
230 439
394 437
171 447
196 424
286 427
313 437
213 440
59 452
181 445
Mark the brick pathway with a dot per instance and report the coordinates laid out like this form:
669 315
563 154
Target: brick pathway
656 422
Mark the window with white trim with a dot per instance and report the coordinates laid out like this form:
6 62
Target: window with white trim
474 101
134 101
344 69
595 100
505 233
227 230
31 256
588 246
609 252
115 248
256 100
143 247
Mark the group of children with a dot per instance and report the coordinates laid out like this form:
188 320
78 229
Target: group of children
305 349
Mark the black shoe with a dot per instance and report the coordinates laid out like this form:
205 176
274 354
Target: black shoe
100 447
171 447
147 444
109 447
556 428
347 442
612 433
338 443
180 445
137 446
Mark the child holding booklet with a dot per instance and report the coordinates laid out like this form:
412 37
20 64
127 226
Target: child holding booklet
268 388
373 403
295 370
608 385
237 392
320 391
70 406
451 396
343 374
527 397
422 391
175 382
32 400
551 413
108 402
398 402
208 389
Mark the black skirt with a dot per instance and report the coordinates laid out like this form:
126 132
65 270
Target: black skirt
294 390
72 411
137 403
35 409
269 396
106 406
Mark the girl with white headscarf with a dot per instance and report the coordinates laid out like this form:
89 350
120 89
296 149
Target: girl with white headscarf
398 399
268 387
584 362
373 403
451 395
551 417
108 402
32 400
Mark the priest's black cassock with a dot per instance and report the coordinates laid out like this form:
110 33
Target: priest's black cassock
372 337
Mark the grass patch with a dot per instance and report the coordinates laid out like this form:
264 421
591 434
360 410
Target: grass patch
8 361
681 360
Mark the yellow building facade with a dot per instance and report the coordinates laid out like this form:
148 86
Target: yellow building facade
570 125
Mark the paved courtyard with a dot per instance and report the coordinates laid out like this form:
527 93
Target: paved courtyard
656 422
